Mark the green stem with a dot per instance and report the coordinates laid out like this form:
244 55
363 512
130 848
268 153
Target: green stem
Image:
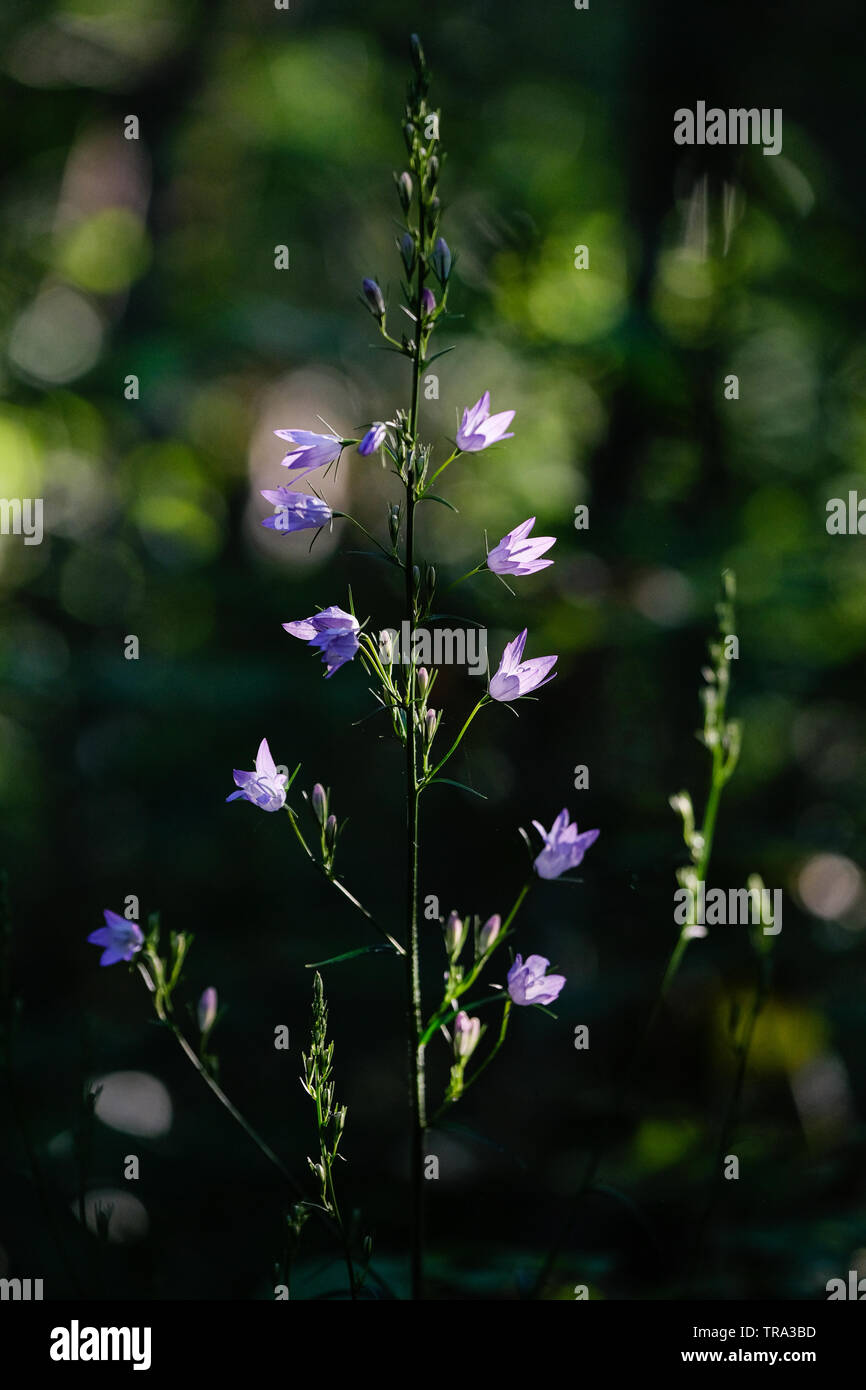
413 963
485 699
441 469
468 574
350 897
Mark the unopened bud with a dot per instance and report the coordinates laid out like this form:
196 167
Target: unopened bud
467 1031
418 54
373 296
423 680
441 261
393 522
404 190
407 251
207 1010
431 723
455 935
416 578
331 831
432 172
489 933
428 304
319 800
430 580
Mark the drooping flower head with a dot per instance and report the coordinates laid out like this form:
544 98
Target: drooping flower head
309 450
264 787
564 848
373 439
516 677
296 511
479 429
518 555
120 938
528 984
333 632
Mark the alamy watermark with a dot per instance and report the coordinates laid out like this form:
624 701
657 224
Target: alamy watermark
22 516
444 646
697 910
736 126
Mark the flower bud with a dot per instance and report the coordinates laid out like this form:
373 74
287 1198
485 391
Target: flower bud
467 1031
404 190
373 296
319 800
431 723
422 680
386 646
455 935
432 172
331 831
430 580
207 1010
428 304
373 439
418 55
407 251
441 261
409 135
416 578
394 522
488 933
435 207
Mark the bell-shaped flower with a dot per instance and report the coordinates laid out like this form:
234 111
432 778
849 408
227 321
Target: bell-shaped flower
296 511
516 677
309 450
518 555
120 938
479 429
333 632
265 787
528 983
564 848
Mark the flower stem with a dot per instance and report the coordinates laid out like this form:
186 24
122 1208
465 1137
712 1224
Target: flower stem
413 963
456 744
350 897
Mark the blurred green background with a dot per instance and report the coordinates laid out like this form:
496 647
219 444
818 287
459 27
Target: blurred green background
155 257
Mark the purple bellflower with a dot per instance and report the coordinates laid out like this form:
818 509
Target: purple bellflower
518 555
373 439
333 632
265 787
516 677
296 511
479 429
120 938
563 847
309 450
528 984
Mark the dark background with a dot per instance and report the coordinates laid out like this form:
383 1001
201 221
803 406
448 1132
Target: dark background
156 257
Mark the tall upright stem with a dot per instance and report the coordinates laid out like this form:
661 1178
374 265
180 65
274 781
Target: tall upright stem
413 964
